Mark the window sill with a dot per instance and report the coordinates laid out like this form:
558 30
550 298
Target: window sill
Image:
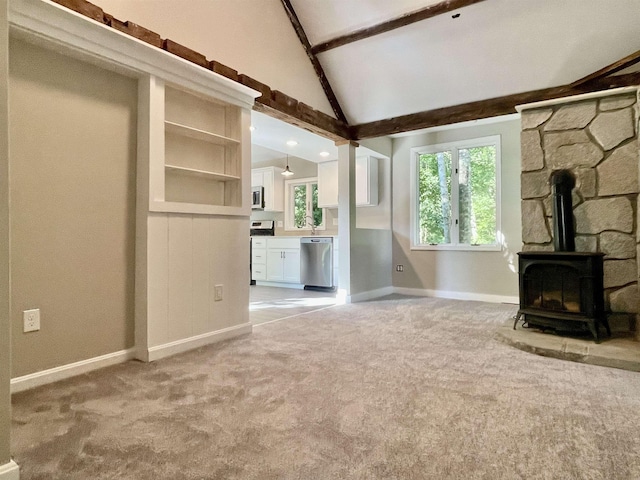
294 229
460 248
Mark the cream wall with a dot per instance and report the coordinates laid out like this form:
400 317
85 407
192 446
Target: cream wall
254 37
73 131
461 272
5 329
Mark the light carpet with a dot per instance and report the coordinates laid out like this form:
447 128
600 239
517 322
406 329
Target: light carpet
393 389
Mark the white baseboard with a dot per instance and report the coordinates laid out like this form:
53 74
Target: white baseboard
369 295
10 471
185 344
296 286
55 374
480 297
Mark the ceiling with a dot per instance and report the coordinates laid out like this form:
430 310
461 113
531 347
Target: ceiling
484 50
269 139
494 48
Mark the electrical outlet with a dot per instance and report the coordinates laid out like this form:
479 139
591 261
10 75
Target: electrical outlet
31 320
399 268
217 293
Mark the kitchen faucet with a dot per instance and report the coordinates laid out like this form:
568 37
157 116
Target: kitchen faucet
312 224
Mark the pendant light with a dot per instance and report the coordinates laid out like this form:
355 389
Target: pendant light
287 172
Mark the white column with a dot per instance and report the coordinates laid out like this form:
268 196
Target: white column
8 469
346 213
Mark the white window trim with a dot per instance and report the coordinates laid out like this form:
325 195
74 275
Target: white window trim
469 143
288 211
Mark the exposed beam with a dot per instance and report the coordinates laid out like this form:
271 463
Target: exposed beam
296 113
406 19
324 82
610 69
484 108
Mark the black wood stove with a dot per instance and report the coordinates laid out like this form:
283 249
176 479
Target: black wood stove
562 290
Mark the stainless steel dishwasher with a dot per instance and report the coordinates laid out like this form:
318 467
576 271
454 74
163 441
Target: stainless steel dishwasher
316 262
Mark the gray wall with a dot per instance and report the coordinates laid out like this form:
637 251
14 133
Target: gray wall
5 330
462 272
73 135
370 255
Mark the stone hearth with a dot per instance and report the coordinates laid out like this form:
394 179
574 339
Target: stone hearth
595 136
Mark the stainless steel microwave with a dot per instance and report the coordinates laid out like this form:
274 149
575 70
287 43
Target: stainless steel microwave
257 198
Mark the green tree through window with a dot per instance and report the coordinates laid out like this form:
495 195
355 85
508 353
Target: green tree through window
303 205
456 193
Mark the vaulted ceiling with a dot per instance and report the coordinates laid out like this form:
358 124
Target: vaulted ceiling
393 66
460 52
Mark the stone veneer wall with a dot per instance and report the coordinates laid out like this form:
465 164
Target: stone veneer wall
597 140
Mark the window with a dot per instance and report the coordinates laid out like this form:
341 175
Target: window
455 195
301 209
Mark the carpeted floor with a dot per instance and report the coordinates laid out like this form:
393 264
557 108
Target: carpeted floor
394 389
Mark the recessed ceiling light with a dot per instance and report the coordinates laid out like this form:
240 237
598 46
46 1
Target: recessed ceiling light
252 128
292 143
324 154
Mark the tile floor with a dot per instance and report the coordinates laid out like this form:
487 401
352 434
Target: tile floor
268 304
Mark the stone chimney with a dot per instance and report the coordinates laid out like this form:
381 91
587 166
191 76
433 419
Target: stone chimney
595 138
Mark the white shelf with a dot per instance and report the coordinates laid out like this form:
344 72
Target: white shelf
223 177
195 208
197 134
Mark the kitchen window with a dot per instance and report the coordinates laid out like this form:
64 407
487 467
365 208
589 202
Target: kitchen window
301 205
455 195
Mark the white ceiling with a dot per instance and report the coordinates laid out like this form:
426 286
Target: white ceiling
269 142
495 48
270 136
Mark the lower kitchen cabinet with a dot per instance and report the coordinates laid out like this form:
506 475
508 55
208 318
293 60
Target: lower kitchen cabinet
275 259
258 258
283 265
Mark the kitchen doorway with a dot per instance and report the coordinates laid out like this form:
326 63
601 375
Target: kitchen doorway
269 304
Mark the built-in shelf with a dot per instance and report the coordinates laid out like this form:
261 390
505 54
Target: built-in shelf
222 177
202 153
197 134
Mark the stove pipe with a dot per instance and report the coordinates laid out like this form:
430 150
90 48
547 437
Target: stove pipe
562 182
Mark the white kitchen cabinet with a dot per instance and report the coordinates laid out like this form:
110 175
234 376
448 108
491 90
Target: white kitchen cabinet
273 183
257 178
258 258
366 183
283 259
283 265
328 184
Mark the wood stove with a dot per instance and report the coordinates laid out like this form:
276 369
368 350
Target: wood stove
562 290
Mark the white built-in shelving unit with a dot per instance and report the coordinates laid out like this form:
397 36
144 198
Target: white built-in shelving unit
193 180
202 150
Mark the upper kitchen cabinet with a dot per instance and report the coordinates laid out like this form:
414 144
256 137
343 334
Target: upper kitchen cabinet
366 183
273 183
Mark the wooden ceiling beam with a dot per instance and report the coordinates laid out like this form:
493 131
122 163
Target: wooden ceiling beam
324 82
484 108
402 21
288 109
621 64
